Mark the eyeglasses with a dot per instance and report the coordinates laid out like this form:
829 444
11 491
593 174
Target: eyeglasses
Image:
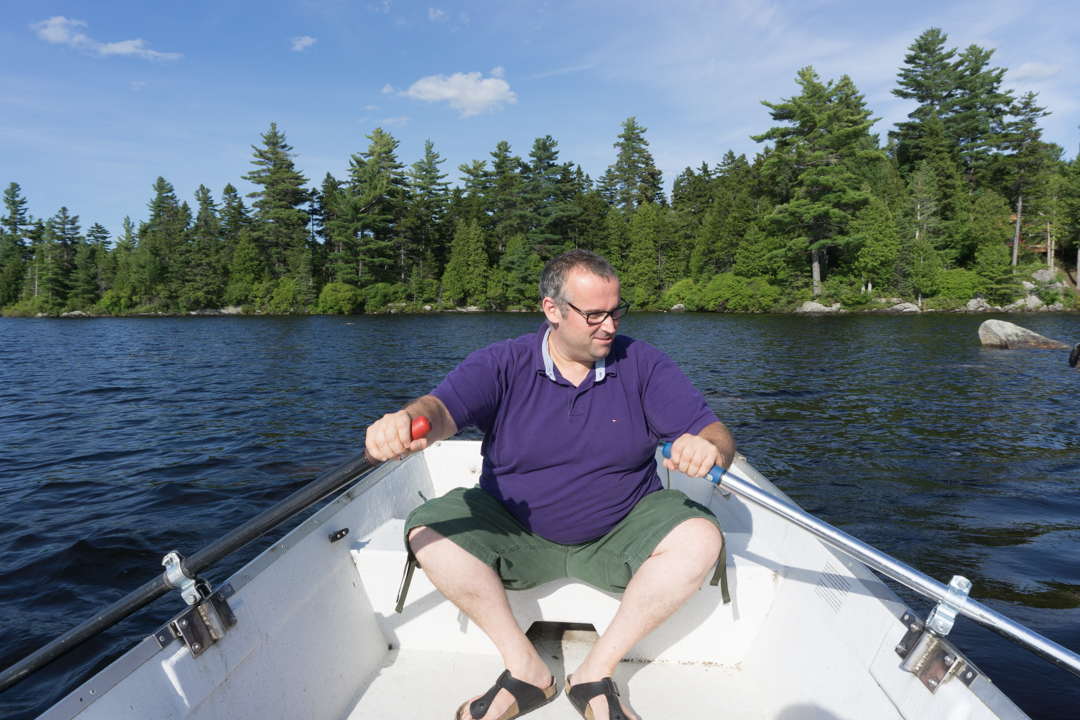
598 318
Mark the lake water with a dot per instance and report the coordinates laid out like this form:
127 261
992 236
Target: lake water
122 439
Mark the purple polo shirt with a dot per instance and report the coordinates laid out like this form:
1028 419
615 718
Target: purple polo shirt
571 462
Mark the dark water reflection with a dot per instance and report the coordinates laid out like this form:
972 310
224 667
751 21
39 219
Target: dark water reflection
123 439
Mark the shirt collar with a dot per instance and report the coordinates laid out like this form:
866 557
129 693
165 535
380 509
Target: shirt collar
599 367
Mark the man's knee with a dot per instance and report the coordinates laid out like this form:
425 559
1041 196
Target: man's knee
696 537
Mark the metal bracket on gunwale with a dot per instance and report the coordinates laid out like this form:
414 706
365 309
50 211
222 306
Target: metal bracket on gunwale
944 613
931 657
208 618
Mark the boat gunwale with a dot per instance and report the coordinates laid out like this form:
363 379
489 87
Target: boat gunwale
112 675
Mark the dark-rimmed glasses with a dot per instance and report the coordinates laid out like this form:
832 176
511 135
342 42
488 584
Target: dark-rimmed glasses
598 317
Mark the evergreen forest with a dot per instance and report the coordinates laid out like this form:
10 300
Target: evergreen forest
963 199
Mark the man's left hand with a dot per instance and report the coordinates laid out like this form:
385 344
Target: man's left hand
693 455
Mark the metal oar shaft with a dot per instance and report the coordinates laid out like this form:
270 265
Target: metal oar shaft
898 571
263 523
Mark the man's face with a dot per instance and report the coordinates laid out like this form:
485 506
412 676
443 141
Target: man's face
578 340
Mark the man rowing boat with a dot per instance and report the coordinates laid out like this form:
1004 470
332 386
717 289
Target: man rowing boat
571 418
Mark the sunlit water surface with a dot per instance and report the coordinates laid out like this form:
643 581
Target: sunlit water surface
122 439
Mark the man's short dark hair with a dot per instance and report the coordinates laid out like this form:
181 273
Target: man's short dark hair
553 279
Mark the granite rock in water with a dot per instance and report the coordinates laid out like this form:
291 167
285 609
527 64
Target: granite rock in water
812 307
1001 334
1031 302
678 308
903 307
977 305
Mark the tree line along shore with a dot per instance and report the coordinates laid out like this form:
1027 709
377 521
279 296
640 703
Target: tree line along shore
963 200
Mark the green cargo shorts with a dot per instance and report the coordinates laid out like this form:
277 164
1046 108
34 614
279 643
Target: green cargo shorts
475 520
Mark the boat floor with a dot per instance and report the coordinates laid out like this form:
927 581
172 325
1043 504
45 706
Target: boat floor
418 684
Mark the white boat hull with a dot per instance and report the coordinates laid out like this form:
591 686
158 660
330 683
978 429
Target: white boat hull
810 633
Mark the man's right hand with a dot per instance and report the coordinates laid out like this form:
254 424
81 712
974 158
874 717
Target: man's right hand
390 437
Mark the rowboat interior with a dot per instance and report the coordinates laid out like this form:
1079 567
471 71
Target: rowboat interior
312 630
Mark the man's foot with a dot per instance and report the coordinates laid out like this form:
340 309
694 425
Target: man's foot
598 700
508 698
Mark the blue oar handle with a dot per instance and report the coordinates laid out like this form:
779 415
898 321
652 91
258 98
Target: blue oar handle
712 476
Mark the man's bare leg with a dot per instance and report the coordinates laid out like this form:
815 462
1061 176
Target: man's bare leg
673 573
478 592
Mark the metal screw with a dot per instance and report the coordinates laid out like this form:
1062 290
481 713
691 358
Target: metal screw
949 660
232 618
196 647
914 627
901 647
932 682
93 692
161 638
183 623
970 674
221 596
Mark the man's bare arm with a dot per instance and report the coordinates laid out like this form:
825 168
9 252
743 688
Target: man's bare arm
695 455
390 436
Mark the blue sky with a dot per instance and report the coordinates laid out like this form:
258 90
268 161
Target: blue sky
99 99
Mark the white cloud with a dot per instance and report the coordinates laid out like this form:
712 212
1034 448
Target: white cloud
372 107
498 71
436 15
302 42
384 7
388 89
467 92
58 30
1034 71
395 121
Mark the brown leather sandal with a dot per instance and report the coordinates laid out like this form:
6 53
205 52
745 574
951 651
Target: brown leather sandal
526 698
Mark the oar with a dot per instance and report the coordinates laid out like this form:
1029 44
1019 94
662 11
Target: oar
206 558
893 568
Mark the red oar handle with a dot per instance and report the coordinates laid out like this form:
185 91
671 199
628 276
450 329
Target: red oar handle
421 426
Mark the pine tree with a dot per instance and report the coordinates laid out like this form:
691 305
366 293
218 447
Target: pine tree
521 273
874 232
429 192
1022 170
58 249
634 178
203 280
989 222
827 123
758 255
962 92
465 281
643 273
13 249
614 240
546 209
280 228
373 204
